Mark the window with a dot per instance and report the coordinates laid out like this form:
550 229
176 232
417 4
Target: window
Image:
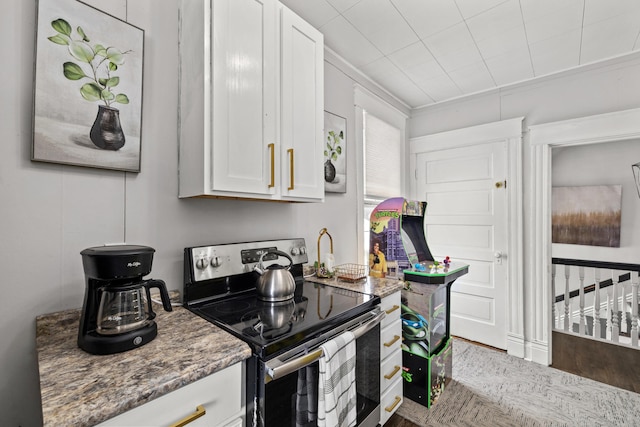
382 158
381 129
382 167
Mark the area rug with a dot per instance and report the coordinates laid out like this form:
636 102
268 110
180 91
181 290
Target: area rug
492 389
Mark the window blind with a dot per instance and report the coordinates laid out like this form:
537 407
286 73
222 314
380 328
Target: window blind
382 159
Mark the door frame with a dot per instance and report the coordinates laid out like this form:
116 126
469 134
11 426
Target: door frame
608 127
509 131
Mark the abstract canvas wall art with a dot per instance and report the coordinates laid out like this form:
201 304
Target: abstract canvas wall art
587 215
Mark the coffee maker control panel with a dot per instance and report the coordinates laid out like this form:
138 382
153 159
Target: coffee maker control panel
216 261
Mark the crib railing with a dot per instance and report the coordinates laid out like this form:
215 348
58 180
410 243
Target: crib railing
606 307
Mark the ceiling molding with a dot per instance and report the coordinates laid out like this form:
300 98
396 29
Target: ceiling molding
360 78
617 60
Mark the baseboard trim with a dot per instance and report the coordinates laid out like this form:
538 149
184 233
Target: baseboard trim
538 352
516 346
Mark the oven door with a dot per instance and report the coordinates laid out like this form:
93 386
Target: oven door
288 385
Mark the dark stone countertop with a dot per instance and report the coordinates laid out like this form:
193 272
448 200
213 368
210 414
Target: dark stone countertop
81 389
367 285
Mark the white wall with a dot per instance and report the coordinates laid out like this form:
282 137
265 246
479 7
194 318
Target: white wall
594 89
50 212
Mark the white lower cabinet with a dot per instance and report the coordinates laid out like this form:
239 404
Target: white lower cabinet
220 396
390 370
390 357
390 401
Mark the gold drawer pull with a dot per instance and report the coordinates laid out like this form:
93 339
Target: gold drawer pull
392 309
291 184
272 148
395 371
200 411
392 342
393 405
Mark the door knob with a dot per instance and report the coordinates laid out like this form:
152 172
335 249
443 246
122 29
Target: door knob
498 256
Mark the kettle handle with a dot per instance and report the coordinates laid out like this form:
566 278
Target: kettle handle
277 252
164 295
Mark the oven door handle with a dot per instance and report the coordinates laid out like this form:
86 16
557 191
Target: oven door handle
285 368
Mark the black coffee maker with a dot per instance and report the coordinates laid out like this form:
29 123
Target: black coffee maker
115 316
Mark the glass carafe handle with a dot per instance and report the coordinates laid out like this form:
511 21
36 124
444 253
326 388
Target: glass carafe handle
164 295
151 314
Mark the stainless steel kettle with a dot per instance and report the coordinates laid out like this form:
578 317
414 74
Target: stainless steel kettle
275 283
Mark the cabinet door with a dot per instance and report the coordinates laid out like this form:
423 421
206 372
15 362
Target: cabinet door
302 103
220 395
244 96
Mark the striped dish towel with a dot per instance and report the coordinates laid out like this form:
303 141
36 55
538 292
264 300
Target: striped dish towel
337 382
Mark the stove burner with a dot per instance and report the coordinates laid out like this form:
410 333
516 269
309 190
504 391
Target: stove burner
266 333
249 316
235 307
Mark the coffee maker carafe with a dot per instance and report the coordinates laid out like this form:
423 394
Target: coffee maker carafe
117 314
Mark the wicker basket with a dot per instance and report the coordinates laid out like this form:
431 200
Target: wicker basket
351 272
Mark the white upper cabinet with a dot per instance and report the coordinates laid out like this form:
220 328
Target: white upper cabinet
302 104
243 99
251 102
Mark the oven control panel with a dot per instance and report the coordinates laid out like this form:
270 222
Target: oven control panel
216 261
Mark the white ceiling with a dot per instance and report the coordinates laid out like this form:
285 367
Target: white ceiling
429 51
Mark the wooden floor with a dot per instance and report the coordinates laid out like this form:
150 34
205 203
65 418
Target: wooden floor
478 344
600 361
398 421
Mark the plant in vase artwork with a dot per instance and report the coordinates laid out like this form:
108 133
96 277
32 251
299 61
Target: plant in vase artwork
332 151
100 66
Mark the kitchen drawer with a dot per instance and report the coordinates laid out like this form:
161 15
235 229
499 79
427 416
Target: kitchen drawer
238 422
390 401
391 305
220 395
390 339
390 370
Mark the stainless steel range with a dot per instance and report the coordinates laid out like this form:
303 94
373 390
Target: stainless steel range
285 336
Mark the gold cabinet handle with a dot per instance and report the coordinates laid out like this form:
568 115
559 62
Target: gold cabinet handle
291 184
272 149
390 343
392 374
393 405
200 411
392 309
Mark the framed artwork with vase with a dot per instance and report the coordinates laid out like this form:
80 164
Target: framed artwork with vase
335 155
88 88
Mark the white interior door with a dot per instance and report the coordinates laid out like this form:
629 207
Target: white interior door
466 219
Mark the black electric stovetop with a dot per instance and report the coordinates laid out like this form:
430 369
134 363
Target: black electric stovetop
270 328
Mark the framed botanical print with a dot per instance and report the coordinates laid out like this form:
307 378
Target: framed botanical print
335 153
88 88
